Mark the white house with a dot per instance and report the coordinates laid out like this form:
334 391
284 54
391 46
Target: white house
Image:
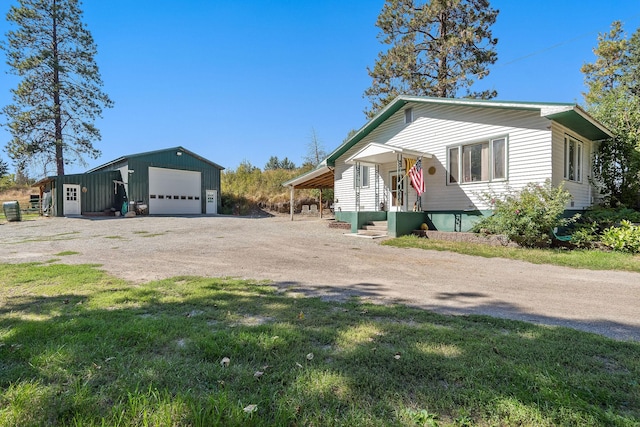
467 148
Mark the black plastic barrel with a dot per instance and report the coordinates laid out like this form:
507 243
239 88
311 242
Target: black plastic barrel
12 210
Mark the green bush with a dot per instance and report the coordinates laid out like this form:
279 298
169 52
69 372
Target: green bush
594 221
606 217
625 238
527 217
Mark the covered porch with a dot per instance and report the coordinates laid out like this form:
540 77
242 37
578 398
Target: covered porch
320 178
383 190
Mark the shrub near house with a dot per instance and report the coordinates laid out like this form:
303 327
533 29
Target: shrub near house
527 216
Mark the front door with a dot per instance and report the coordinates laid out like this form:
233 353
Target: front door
397 192
212 201
71 199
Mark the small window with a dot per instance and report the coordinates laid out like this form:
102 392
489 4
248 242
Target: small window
499 158
197 198
408 115
183 197
363 179
153 196
572 159
161 197
190 197
176 197
454 161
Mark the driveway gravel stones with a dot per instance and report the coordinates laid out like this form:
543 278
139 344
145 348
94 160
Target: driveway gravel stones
308 257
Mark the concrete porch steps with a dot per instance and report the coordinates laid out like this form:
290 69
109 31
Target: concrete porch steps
374 229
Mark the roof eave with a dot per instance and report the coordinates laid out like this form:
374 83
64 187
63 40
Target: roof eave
578 120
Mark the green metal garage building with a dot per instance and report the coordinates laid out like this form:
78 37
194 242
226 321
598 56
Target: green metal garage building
173 181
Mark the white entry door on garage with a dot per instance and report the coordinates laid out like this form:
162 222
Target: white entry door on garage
212 201
71 199
174 191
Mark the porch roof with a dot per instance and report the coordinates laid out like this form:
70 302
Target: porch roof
319 178
376 153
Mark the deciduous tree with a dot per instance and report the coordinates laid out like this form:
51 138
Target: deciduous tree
436 48
60 94
315 151
613 99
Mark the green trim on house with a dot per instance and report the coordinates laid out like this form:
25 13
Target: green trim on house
360 219
454 220
403 223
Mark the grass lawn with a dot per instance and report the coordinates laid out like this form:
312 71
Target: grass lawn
577 258
81 348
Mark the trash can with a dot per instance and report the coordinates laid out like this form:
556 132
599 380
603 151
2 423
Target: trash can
12 210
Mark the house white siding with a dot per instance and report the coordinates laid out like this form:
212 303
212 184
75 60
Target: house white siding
434 129
582 192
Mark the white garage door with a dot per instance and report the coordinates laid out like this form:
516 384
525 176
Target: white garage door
173 191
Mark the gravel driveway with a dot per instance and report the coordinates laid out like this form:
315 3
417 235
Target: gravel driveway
307 255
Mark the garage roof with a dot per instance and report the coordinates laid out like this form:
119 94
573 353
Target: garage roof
124 159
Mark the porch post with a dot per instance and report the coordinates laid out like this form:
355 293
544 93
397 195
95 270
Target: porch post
357 185
320 203
291 201
400 196
377 186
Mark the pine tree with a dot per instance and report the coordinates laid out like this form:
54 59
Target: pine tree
4 168
60 95
613 99
436 48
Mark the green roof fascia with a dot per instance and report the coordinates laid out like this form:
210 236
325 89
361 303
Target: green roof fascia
567 114
146 153
399 102
378 119
581 122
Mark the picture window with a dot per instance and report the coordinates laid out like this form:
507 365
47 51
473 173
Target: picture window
482 161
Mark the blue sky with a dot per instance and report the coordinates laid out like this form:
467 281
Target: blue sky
245 80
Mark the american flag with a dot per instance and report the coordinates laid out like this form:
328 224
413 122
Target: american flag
417 177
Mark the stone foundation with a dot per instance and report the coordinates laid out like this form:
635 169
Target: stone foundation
493 240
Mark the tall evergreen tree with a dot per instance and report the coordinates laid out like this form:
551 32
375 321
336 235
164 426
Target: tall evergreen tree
4 168
613 99
436 48
60 95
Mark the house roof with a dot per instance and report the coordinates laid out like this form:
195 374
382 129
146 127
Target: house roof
569 115
176 149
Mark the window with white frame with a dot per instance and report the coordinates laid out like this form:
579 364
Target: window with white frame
481 161
408 115
361 176
572 159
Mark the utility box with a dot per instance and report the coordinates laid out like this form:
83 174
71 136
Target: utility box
12 211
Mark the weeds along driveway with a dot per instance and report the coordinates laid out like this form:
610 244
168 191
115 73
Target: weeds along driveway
309 258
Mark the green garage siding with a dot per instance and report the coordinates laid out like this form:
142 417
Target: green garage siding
138 171
98 188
